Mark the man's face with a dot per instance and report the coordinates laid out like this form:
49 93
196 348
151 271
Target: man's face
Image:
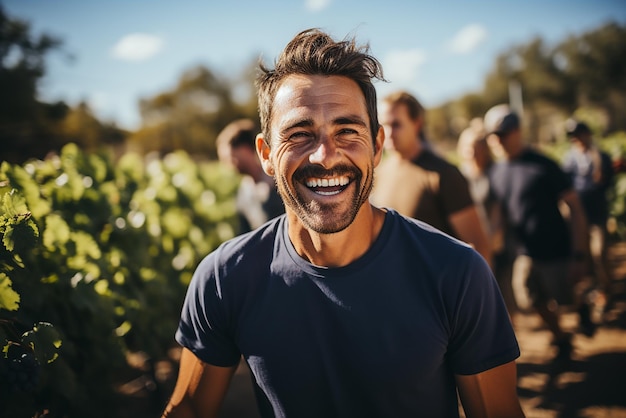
400 130
243 158
581 140
322 154
505 145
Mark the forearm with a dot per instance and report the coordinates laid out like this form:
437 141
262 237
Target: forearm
200 388
469 228
578 222
491 394
181 410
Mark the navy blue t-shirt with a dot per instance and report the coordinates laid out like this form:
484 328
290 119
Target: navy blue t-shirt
382 336
530 187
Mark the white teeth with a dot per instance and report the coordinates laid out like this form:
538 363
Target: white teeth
339 181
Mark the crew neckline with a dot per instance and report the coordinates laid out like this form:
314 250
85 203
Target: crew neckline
357 265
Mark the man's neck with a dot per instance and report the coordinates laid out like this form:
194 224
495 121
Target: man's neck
341 248
414 152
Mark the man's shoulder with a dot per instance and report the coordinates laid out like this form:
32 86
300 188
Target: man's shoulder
248 244
431 161
430 158
426 233
536 156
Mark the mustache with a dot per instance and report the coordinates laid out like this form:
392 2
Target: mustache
317 171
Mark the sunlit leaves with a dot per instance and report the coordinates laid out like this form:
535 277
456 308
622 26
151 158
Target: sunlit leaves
118 246
9 298
56 234
45 340
18 231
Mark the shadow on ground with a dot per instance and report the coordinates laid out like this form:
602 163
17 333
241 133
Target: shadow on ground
572 389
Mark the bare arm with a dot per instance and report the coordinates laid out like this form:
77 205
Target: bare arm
200 388
468 227
491 394
578 221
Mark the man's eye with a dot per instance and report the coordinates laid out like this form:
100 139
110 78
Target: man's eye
347 131
299 136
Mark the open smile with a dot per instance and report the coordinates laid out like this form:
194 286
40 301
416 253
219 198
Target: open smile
327 186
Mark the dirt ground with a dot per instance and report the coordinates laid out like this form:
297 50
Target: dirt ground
592 385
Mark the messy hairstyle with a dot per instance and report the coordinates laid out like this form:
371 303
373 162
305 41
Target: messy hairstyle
313 52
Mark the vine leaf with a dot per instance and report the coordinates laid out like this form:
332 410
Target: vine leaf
45 341
9 298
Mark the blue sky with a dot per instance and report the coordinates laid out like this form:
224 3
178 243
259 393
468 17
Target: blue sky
438 50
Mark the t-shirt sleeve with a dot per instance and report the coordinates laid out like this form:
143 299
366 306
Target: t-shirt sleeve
560 180
482 336
607 169
205 326
454 189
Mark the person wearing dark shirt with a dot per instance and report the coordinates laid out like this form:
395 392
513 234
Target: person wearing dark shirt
340 308
548 258
419 183
592 174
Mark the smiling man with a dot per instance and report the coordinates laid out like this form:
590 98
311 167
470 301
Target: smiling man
341 309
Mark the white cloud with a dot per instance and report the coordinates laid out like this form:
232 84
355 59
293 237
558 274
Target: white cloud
468 39
137 47
403 67
316 5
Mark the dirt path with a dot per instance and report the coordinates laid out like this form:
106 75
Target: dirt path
593 384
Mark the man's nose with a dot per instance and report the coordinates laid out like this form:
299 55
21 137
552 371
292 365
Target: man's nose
326 152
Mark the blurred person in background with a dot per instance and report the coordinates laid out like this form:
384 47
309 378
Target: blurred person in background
549 250
257 198
340 308
475 162
592 174
417 182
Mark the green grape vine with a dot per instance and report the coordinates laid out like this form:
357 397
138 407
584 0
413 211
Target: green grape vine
95 259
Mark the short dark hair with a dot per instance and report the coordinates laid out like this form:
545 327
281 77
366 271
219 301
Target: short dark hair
413 106
313 52
241 132
574 128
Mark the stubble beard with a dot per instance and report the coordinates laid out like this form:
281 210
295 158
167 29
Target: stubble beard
326 218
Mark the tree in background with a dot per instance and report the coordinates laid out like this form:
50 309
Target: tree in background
586 71
191 115
82 127
597 62
30 128
24 121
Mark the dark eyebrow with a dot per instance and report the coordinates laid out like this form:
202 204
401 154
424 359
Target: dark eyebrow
350 120
302 123
342 120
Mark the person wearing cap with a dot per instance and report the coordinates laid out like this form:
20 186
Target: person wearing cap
417 182
591 170
548 251
257 198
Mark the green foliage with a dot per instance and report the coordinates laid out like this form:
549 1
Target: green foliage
9 298
103 252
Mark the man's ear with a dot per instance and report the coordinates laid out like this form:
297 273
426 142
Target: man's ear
379 141
263 151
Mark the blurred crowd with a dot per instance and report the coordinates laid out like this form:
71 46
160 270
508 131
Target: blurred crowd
540 223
